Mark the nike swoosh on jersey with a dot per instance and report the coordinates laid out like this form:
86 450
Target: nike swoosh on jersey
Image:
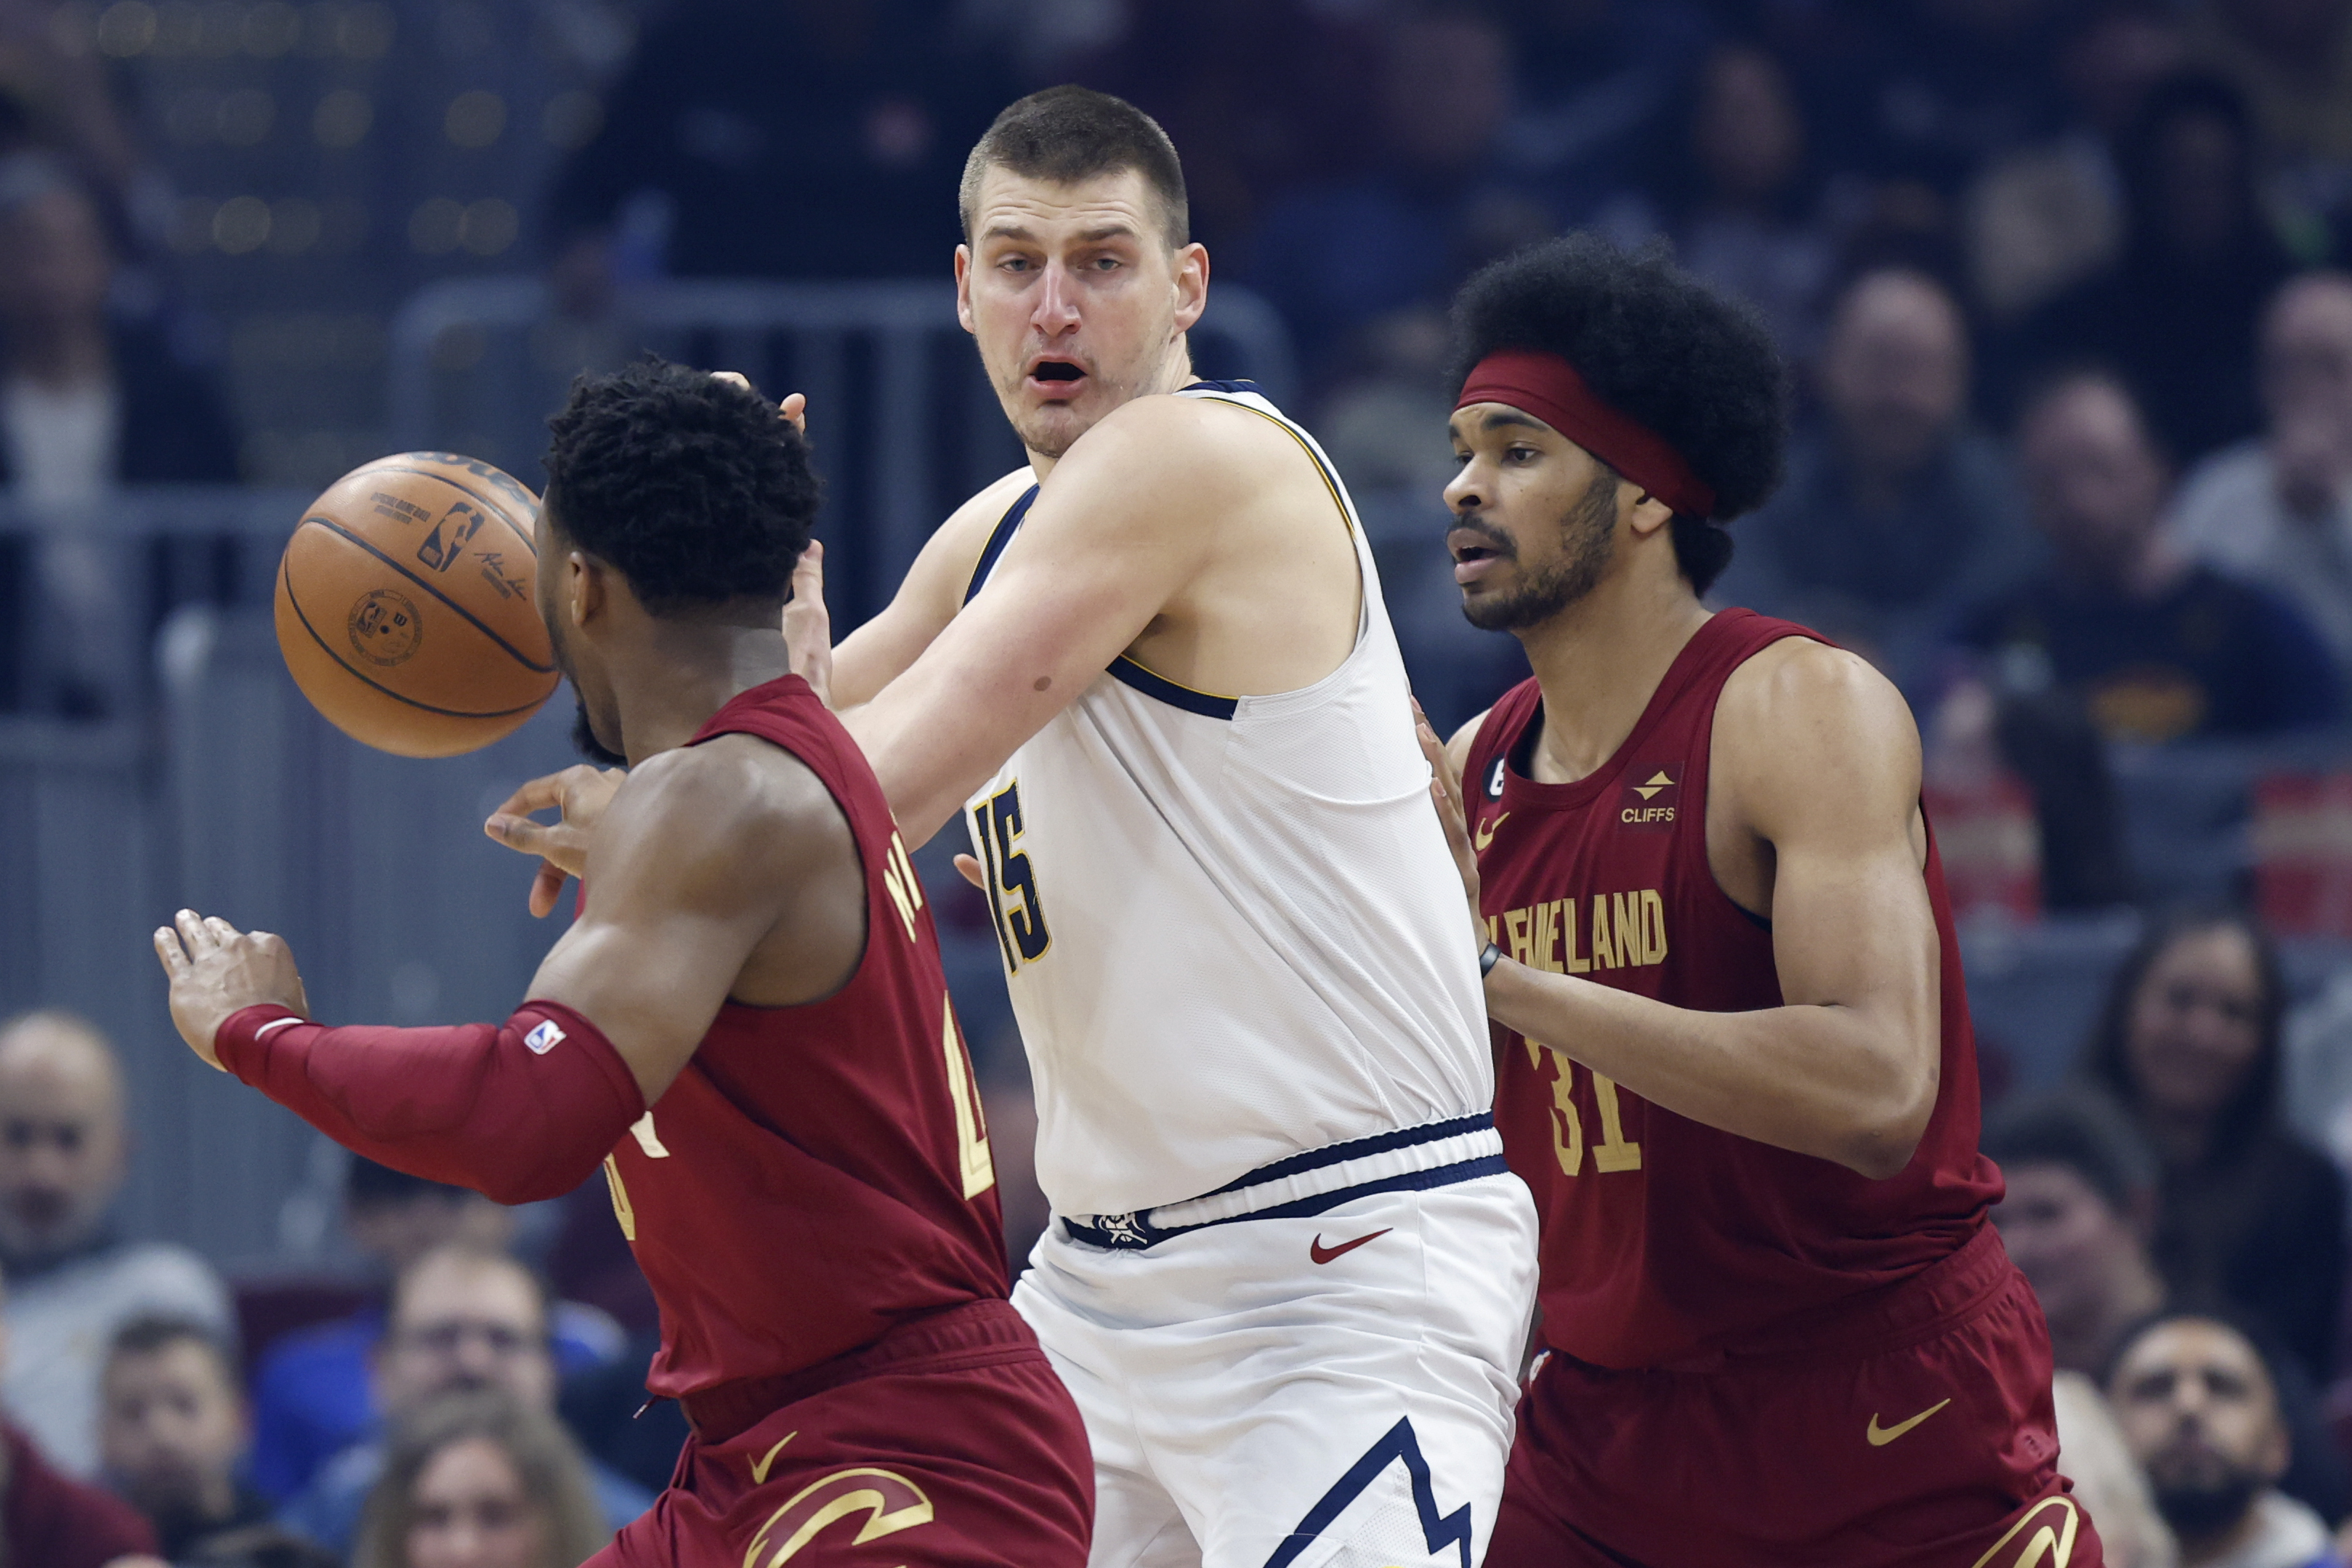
1485 834
760 1465
1322 1254
1881 1435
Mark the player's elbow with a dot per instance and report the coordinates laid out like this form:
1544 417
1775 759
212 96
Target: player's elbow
541 1180
1889 1121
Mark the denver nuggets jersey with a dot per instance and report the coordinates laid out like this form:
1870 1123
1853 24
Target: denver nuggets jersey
1232 929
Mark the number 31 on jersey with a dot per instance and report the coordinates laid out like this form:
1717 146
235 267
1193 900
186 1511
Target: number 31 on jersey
1009 880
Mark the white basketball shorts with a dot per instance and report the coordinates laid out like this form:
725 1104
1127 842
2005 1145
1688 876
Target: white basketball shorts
1323 1390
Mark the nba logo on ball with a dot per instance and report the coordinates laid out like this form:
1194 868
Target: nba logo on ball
385 627
543 1038
430 558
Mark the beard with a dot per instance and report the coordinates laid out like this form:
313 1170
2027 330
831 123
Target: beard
2206 1507
583 739
1588 540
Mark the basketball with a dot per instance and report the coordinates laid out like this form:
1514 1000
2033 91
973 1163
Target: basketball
405 610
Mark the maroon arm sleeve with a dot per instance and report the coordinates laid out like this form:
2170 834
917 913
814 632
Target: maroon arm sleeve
518 1111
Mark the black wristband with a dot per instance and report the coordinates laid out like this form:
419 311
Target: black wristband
1488 959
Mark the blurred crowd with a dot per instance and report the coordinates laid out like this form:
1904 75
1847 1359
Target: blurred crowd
2065 288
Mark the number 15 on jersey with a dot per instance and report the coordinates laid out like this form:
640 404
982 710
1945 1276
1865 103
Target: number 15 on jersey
1009 881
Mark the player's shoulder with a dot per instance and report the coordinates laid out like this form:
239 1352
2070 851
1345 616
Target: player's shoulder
737 800
1796 705
1202 441
977 518
1465 739
955 545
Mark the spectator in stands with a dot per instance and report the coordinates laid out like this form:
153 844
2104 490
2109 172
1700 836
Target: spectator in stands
88 400
173 1432
1924 91
2248 1216
2078 1218
461 1318
1741 203
2200 1410
311 1392
2176 312
2293 59
2108 1482
1897 509
2162 647
2278 510
738 119
1597 84
73 1279
481 1481
48 1517
1338 258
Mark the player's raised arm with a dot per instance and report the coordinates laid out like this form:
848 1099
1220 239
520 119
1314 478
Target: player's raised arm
1817 758
1128 522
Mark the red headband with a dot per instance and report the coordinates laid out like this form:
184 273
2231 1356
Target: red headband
1549 388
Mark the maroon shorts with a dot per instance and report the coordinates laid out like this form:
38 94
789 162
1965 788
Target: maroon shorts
1909 1428
948 1443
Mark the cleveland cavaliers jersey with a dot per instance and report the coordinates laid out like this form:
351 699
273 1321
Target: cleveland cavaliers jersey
1665 1240
1231 925
817 1173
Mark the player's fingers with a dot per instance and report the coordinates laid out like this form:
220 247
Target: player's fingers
168 949
195 932
737 376
520 834
808 577
969 867
545 890
795 408
223 933
537 794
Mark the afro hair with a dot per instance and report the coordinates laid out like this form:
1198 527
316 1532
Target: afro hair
693 487
1657 345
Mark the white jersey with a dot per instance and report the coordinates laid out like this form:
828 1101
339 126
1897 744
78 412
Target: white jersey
1232 928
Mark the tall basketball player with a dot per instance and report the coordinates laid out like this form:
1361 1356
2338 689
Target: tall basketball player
1736 1063
1288 1276
747 1026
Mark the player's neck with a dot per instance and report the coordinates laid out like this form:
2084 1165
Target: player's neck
685 671
1175 373
1598 662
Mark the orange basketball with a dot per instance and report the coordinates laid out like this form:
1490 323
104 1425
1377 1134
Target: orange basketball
404 606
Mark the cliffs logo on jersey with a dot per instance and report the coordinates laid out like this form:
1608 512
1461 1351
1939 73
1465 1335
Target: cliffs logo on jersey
1652 791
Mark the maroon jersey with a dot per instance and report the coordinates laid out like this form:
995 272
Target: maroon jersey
817 1173
1664 1240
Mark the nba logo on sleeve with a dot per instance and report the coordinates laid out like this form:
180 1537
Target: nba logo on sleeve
1646 803
543 1038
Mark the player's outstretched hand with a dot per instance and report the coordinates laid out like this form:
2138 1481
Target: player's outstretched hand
808 626
1445 793
216 970
794 407
580 794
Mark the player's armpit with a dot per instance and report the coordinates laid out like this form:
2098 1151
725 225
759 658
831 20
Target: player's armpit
1123 527
719 870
